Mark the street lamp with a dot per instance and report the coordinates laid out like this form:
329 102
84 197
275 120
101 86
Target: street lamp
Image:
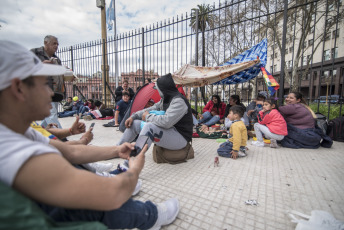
105 67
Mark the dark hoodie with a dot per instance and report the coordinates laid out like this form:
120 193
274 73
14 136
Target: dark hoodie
169 90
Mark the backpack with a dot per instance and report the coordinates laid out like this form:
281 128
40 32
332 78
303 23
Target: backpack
336 129
321 122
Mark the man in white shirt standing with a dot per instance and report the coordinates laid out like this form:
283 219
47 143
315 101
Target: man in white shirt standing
41 169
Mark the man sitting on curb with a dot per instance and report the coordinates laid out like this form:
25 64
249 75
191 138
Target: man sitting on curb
31 165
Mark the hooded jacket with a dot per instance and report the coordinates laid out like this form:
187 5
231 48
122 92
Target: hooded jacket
178 110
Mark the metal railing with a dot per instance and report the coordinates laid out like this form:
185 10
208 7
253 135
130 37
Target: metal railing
309 45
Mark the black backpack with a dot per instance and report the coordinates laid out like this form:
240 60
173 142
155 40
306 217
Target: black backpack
321 122
336 129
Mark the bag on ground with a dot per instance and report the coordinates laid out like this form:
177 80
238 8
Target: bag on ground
336 129
162 155
322 122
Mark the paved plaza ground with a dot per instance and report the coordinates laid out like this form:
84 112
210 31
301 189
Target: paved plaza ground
214 197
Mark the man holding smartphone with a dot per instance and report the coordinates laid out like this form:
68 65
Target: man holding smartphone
41 169
47 55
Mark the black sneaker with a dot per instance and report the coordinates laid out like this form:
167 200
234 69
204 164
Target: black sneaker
110 124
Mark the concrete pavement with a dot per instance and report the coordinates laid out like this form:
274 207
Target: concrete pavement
214 197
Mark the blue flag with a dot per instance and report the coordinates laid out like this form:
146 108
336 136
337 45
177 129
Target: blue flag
110 15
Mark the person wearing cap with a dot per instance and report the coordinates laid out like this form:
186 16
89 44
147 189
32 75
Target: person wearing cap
76 108
41 169
47 55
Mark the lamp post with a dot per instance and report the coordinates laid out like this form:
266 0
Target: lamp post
105 67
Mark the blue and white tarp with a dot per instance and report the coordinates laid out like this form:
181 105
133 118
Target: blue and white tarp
240 69
259 50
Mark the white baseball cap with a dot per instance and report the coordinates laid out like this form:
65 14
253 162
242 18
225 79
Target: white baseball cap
18 62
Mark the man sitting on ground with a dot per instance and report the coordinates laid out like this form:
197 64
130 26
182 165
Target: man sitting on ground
31 165
68 105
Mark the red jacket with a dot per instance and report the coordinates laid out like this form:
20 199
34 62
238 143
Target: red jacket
274 121
209 106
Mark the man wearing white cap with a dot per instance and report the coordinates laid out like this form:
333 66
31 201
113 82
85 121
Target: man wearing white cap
40 168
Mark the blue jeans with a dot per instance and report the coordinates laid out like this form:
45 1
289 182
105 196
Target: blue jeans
225 149
67 113
209 119
132 214
83 109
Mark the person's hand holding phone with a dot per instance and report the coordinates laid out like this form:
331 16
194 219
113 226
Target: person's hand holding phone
138 162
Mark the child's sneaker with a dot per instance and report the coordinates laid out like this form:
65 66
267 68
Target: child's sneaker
273 143
258 143
242 152
167 213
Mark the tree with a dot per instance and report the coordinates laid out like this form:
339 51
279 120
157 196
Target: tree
205 19
307 21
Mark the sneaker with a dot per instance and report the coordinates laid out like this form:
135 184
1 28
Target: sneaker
241 154
88 118
167 213
273 143
98 167
74 115
242 151
110 124
137 188
258 143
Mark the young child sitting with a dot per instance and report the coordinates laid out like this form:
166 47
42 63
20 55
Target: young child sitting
235 146
270 123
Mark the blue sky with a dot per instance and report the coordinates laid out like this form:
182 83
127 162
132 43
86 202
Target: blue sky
78 21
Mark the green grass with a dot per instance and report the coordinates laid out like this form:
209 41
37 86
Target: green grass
323 108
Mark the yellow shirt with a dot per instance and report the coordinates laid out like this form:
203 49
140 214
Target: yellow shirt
238 134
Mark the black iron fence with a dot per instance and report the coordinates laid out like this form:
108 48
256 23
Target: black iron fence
304 39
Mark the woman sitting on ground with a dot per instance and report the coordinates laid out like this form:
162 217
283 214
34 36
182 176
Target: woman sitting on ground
302 131
233 100
212 112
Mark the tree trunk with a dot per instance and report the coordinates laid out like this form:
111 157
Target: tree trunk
203 64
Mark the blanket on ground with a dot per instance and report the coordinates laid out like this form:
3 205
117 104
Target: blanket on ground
311 138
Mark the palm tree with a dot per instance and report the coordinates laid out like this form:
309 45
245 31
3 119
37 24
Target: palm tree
205 19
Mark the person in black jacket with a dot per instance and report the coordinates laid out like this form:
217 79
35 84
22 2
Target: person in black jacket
124 88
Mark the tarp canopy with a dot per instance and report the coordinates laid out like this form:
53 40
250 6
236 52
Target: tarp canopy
242 68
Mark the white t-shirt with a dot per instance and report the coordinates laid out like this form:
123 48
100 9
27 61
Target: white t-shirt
16 149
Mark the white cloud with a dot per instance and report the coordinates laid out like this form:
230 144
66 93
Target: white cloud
78 21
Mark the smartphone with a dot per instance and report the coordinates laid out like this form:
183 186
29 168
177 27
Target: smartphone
92 125
140 143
